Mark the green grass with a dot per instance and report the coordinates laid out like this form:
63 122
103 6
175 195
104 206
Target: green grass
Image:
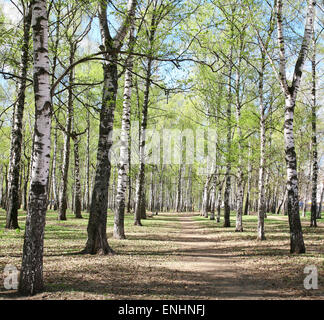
276 231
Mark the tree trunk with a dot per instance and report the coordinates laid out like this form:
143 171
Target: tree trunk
16 132
31 276
5 193
77 194
319 212
1 184
67 141
296 235
261 200
247 199
129 182
290 92
54 181
314 139
227 209
240 191
97 237
119 232
87 186
140 194
205 201
213 205
219 200
178 198
161 192
26 185
151 201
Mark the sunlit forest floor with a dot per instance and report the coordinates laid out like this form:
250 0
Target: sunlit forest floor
173 256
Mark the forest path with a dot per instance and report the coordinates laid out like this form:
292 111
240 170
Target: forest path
217 270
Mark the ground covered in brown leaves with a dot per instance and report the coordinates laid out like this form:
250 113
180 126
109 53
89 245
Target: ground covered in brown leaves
173 256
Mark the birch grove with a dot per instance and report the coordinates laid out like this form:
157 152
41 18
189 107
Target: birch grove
115 115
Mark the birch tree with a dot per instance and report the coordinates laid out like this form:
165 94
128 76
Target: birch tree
31 276
263 109
16 133
97 237
119 232
290 93
314 134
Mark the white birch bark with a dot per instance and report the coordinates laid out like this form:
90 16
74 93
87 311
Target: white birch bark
314 137
97 236
77 180
31 277
319 211
290 92
240 191
119 232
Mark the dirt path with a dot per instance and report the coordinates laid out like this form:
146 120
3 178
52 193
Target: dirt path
198 255
219 273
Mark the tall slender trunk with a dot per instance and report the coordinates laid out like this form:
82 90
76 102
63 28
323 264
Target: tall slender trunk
179 186
151 202
87 185
16 132
55 58
206 189
141 175
119 232
314 139
290 92
282 202
267 192
319 212
67 142
240 191
31 276
5 192
309 178
161 191
140 194
272 206
189 189
227 209
247 199
26 185
97 236
54 181
129 181
213 202
77 182
296 235
261 200
219 200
